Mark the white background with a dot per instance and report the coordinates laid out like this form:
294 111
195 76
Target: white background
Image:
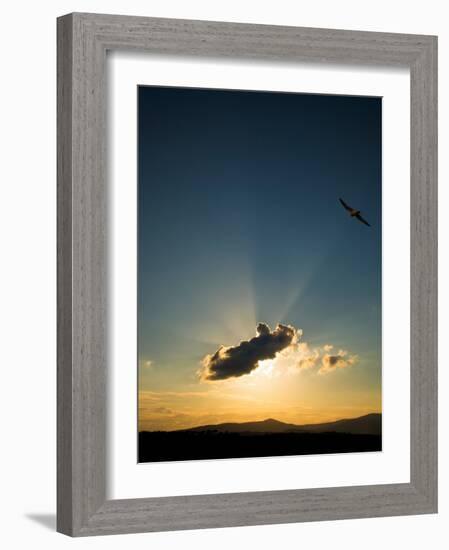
27 300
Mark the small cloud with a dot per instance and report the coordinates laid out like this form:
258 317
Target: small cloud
308 357
229 362
341 360
306 363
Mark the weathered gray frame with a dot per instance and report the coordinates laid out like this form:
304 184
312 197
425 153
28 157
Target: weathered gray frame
83 40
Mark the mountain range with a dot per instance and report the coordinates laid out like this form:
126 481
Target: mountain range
367 424
268 437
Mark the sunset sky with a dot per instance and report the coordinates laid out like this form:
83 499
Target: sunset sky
240 230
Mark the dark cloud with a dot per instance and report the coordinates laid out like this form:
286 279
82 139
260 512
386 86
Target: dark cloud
229 362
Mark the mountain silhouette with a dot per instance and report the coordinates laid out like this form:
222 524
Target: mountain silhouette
367 424
267 437
270 425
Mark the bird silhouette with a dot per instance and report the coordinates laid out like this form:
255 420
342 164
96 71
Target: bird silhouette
354 213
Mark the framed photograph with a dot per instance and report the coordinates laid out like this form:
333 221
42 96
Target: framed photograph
247 282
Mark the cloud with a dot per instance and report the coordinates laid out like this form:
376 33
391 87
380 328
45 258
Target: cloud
340 360
230 362
307 357
273 353
300 356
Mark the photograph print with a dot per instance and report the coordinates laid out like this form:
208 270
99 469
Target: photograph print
259 274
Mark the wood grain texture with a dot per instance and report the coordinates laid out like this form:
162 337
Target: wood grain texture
64 277
424 251
83 40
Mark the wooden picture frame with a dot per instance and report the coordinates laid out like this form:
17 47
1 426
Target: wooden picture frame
83 40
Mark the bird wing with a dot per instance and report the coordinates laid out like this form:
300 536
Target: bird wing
345 205
359 217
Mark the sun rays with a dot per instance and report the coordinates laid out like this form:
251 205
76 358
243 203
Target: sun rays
277 383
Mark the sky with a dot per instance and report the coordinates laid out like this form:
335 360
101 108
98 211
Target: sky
258 295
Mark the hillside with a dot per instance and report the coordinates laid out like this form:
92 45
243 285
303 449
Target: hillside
367 424
263 438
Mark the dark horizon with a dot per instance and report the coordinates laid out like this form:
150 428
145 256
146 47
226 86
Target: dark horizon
274 421
262 439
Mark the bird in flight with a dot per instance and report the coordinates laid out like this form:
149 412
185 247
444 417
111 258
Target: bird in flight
354 213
